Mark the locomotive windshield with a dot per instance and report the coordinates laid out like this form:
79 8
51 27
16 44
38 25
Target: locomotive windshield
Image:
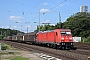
65 33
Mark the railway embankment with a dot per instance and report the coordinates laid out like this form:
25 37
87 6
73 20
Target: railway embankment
79 54
12 53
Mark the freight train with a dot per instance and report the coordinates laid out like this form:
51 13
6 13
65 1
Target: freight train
58 38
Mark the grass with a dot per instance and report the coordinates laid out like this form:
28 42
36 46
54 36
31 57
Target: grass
5 47
19 58
3 53
12 54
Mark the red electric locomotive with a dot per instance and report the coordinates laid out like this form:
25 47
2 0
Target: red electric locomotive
58 38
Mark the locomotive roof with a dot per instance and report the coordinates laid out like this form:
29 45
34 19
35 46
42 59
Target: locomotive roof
65 30
53 30
46 31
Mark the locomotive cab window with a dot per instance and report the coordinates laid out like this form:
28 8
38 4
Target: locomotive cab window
63 33
66 33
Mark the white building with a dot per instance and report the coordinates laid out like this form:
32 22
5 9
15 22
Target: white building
76 39
83 8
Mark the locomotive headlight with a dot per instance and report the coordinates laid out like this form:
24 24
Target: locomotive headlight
62 38
63 43
70 38
71 43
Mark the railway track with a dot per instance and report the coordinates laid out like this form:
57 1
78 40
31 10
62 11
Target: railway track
81 51
61 54
85 46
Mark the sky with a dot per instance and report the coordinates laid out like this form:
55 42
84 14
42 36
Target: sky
20 14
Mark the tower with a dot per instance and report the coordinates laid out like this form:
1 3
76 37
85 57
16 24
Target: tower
83 8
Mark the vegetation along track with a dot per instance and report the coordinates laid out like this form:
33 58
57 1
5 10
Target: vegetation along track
62 54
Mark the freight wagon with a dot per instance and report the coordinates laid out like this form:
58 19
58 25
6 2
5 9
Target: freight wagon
28 37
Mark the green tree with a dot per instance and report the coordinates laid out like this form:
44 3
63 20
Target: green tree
79 23
8 32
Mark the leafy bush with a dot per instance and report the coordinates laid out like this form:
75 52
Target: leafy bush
4 47
86 39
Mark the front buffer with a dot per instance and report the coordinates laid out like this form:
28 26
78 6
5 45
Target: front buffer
67 46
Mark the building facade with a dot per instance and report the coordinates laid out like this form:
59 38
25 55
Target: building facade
83 8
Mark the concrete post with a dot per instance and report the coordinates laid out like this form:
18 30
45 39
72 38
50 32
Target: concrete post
0 46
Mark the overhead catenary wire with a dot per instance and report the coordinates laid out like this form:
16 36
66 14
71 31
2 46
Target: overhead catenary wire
23 13
50 9
58 4
28 5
